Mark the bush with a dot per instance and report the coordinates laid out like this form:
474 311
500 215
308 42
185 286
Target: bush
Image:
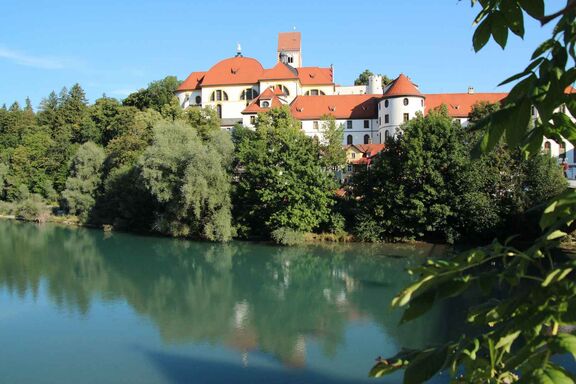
33 209
7 208
287 236
367 229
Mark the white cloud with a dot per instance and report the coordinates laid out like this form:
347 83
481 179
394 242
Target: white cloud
30 60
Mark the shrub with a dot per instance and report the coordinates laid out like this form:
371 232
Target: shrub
287 236
33 209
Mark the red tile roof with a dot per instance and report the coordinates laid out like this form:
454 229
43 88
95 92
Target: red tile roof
268 94
570 89
192 82
339 106
372 149
460 104
289 41
235 70
315 76
402 86
280 71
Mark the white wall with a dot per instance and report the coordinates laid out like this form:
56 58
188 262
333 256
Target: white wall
188 98
234 106
292 86
327 89
358 131
395 111
350 90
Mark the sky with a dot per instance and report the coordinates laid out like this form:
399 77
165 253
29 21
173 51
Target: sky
116 47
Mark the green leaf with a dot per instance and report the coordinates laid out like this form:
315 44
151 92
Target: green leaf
425 365
550 277
404 297
550 375
499 29
419 305
564 343
498 123
383 368
514 17
555 235
543 48
481 35
534 8
520 119
506 341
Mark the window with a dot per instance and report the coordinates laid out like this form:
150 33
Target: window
219 95
386 104
349 140
249 94
547 148
422 102
379 106
314 92
290 59
405 101
406 117
265 104
315 125
349 124
386 119
353 155
252 119
219 110
198 100
366 123
349 167
379 121
562 151
533 111
367 139
386 135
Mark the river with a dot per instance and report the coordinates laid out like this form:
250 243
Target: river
84 306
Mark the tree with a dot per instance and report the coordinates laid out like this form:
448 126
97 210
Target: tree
155 96
333 154
79 196
528 292
281 183
187 177
363 78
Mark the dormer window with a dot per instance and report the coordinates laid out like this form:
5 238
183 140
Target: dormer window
265 104
314 92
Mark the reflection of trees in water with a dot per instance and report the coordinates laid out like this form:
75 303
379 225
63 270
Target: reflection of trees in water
244 295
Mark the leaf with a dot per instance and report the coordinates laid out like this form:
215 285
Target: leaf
383 368
419 305
550 277
404 297
506 341
564 343
499 29
481 35
543 48
498 123
516 131
550 375
514 17
534 8
555 235
425 365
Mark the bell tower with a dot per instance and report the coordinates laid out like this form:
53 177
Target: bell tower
290 48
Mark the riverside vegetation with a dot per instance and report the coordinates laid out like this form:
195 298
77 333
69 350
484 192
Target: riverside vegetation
144 164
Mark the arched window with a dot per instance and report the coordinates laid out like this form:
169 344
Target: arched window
283 89
314 92
219 110
366 139
219 95
265 104
249 94
349 140
562 151
385 103
198 100
386 135
405 101
547 148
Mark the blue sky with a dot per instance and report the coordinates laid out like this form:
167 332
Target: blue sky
116 47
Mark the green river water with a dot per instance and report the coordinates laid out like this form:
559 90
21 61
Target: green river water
84 306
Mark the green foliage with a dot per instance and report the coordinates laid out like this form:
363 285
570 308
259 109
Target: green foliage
32 208
287 236
188 179
362 78
81 186
281 183
156 96
332 152
527 290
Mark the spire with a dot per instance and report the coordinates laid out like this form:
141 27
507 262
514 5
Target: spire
238 50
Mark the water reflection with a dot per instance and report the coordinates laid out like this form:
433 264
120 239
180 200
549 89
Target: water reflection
254 299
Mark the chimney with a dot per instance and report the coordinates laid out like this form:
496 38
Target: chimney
470 90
